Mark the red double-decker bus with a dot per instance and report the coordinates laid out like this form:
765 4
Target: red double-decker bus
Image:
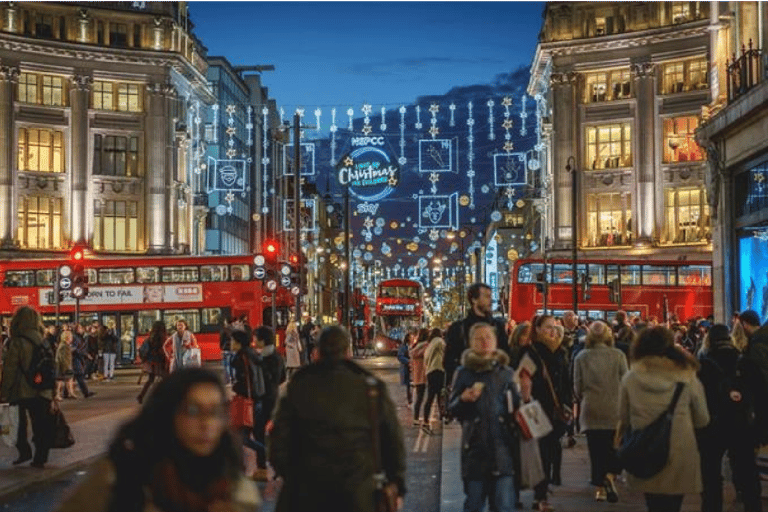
398 309
128 294
639 287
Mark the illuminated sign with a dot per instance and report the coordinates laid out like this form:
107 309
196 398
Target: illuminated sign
148 293
408 308
368 172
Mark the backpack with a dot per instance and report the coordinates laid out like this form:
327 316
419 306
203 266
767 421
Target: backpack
41 372
144 351
733 403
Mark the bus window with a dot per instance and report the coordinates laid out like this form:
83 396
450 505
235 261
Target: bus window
147 274
630 274
211 319
115 276
91 273
527 272
45 277
88 318
563 272
146 318
597 273
191 316
210 273
695 275
240 272
659 275
180 274
19 279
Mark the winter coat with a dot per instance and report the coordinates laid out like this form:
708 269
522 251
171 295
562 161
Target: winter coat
79 354
273 367
457 339
63 360
292 350
434 355
95 492
557 367
321 441
108 342
646 392
239 369
418 374
14 385
597 376
405 364
486 443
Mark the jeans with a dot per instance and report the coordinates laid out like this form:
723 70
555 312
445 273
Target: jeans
663 502
419 400
498 491
109 365
602 455
226 359
745 474
549 446
435 383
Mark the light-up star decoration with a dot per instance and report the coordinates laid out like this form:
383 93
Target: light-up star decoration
368 223
349 162
231 109
434 234
392 181
434 108
231 153
434 130
507 101
367 129
507 124
508 146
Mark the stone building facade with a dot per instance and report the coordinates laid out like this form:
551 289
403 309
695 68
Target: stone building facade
621 86
97 139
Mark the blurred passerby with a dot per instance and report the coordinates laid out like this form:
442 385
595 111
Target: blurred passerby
155 364
739 336
646 392
598 370
108 345
80 359
418 373
292 349
273 368
479 401
731 427
225 344
322 445
177 454
434 355
520 337
244 368
92 340
404 358
178 344
756 365
26 332
65 385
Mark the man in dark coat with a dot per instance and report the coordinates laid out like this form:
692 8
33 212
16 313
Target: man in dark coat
321 441
273 369
457 337
756 364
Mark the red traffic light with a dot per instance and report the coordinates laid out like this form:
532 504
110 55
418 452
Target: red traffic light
294 259
77 253
271 247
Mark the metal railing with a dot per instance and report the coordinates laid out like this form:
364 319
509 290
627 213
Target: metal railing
744 72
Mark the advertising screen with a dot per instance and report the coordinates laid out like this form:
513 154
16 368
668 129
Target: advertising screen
753 275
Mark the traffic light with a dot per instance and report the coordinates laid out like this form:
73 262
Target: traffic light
614 291
271 250
78 275
541 283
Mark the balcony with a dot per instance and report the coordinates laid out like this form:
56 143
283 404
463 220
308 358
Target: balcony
744 72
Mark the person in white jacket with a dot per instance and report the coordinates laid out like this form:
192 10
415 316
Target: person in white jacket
434 357
293 349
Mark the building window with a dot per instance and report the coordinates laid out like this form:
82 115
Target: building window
41 150
609 146
118 35
116 225
117 96
609 219
115 155
751 189
679 140
53 90
27 88
41 89
40 225
687 216
44 26
608 85
683 76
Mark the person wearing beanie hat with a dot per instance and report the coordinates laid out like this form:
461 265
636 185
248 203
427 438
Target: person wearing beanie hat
730 402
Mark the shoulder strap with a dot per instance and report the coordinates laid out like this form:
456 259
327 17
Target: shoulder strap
675 397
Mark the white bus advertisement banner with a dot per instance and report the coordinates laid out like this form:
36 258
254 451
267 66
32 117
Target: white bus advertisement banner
141 294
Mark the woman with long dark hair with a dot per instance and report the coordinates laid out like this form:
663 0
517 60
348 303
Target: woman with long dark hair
176 455
155 363
658 365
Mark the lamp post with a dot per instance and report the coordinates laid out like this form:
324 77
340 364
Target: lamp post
574 228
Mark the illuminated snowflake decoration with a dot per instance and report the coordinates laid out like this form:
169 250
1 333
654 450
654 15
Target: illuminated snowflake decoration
434 234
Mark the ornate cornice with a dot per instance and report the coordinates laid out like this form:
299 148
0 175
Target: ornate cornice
161 89
569 78
9 73
643 69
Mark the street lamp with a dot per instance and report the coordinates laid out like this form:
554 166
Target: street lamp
574 227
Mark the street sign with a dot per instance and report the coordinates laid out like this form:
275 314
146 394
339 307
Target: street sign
295 290
65 270
285 281
65 283
272 285
285 269
259 273
259 260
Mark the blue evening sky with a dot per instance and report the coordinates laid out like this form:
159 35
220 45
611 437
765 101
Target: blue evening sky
384 53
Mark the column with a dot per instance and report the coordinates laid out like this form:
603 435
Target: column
158 196
9 77
644 77
83 21
564 146
79 94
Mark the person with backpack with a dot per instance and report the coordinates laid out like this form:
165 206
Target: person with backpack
28 381
731 429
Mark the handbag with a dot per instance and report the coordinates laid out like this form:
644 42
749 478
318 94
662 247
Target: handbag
386 493
9 424
531 469
241 407
62 434
645 451
532 420
191 358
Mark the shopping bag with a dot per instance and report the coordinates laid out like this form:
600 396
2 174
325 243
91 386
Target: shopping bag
531 469
191 358
9 424
241 411
62 434
532 420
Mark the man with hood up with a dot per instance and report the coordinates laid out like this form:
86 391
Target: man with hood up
27 331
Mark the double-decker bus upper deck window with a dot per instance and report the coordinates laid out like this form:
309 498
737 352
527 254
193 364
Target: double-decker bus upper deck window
19 279
45 277
597 273
240 272
191 316
659 275
92 275
695 275
147 274
214 273
630 274
527 272
116 276
563 272
147 317
180 274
